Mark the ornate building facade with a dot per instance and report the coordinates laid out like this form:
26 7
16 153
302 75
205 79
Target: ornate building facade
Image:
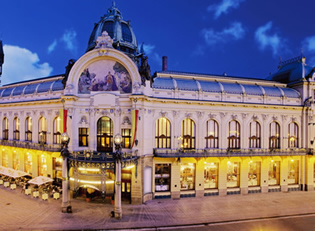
184 134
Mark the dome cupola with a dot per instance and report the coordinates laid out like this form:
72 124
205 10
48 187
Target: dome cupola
119 30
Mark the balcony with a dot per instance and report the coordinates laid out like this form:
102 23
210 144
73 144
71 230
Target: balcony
161 152
30 145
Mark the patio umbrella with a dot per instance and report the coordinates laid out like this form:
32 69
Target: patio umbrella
16 173
39 180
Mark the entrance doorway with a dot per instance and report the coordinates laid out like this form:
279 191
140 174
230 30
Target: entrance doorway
126 185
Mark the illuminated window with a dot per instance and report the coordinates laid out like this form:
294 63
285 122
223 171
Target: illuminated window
162 177
212 138
274 138
5 125
253 173
57 130
163 133
274 173
126 138
233 174
293 135
42 165
42 128
105 135
187 176
254 135
211 175
83 137
16 160
16 129
188 134
234 134
28 129
28 163
293 174
5 159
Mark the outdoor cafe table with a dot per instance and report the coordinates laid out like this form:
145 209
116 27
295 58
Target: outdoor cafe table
35 194
13 186
6 184
56 196
1 181
27 191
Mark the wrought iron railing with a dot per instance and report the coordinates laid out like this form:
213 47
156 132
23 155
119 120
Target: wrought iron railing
30 145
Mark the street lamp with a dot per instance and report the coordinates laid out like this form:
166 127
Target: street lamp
65 206
118 158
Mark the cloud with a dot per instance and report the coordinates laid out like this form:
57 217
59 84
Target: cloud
21 64
224 7
235 31
148 48
69 38
309 43
52 46
149 51
272 41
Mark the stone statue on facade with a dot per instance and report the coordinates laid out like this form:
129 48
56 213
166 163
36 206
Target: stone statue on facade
144 70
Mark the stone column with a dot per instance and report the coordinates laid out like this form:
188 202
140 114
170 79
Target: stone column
117 208
66 207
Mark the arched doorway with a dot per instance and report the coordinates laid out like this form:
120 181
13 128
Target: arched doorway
105 134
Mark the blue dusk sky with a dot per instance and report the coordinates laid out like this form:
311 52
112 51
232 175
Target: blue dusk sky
244 38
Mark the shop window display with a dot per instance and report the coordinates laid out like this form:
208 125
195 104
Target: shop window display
274 173
233 174
187 176
293 174
211 175
253 173
162 177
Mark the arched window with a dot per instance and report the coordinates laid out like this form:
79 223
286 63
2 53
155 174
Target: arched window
293 135
188 134
105 135
212 137
274 137
163 133
254 135
28 129
5 126
57 130
16 129
42 130
234 134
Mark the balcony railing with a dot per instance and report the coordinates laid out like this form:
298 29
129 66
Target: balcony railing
159 152
30 145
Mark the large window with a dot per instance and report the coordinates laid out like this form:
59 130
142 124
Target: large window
212 138
105 135
83 137
57 130
188 134
16 160
42 128
293 174
28 129
293 133
163 133
187 176
233 174
16 129
42 165
274 173
162 177
254 135
274 138
5 126
234 134
211 175
5 159
28 163
126 138
253 173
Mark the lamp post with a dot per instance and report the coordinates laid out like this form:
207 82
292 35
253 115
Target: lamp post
65 206
118 158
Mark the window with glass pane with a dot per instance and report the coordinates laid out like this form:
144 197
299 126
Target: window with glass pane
233 174
162 177
274 138
211 175
42 165
83 137
234 134
28 129
57 130
212 138
254 135
163 133
188 134
5 159
105 135
187 176
126 138
274 173
42 128
16 160
293 174
16 129
293 132
5 125
253 173
28 163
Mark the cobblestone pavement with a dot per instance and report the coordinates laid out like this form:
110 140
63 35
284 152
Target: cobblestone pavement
19 211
